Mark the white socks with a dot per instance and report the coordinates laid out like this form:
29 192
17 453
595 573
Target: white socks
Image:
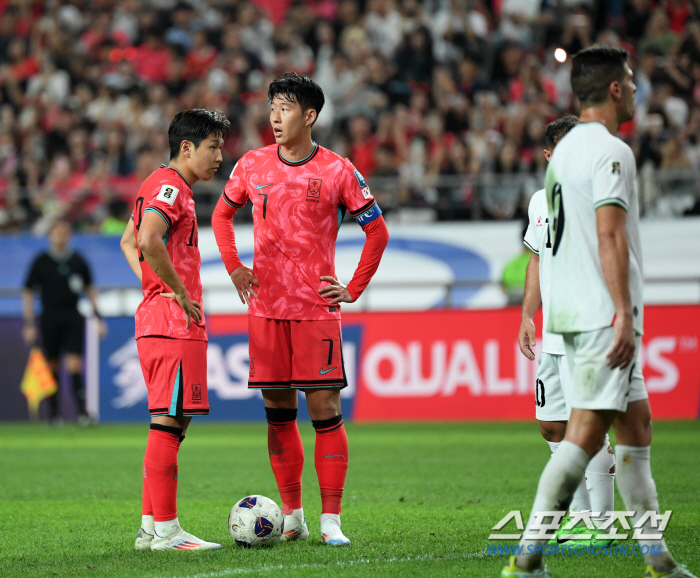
165 529
298 514
560 478
600 482
334 517
147 524
638 491
596 492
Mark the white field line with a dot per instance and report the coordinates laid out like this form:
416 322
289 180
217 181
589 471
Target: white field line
329 565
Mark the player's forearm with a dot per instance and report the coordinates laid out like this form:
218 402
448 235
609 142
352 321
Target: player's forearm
532 297
156 255
376 242
614 258
131 250
222 224
27 306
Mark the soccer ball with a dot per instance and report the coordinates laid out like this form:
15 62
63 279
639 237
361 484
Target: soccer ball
255 521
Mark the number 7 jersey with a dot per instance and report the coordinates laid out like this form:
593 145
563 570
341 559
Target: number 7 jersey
166 193
589 168
297 210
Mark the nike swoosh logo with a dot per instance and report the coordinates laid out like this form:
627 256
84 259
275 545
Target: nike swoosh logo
279 451
335 456
324 371
263 186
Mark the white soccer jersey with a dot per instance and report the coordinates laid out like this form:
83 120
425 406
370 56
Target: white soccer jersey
589 168
538 240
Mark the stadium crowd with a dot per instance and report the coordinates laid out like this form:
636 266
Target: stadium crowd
415 91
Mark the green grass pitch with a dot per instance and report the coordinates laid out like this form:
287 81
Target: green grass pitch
420 500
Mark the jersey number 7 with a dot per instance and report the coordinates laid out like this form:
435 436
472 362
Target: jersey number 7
558 219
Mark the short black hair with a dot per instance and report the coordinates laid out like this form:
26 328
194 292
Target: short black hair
593 69
294 88
195 125
558 129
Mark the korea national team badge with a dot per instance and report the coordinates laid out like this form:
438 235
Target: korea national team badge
616 168
314 189
196 393
168 194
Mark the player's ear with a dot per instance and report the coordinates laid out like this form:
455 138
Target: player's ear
310 116
547 154
616 90
186 149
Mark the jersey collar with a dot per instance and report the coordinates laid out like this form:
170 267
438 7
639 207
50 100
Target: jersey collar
311 155
178 172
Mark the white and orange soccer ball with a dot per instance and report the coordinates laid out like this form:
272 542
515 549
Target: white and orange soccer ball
255 521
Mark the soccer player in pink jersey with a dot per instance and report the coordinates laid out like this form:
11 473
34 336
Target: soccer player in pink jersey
300 192
161 246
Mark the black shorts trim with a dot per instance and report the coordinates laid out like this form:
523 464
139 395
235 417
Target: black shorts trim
159 411
195 412
317 381
268 383
336 385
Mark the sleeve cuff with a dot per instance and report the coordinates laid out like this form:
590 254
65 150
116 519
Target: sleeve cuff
231 261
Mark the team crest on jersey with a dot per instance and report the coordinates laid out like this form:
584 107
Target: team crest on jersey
196 393
314 189
539 222
252 367
168 194
616 168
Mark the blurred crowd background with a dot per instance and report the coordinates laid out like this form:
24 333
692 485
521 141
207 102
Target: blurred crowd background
440 104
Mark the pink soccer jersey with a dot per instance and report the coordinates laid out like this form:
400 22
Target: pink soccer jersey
166 193
297 210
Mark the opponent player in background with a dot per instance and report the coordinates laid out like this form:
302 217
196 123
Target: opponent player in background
161 246
300 192
596 304
596 492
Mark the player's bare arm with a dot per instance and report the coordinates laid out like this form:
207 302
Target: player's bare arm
614 257
532 299
244 281
154 251
336 291
130 248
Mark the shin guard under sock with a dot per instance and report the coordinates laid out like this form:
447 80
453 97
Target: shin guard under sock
161 468
286 455
331 458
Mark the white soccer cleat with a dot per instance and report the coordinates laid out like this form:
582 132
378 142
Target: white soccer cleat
178 539
293 529
143 540
332 535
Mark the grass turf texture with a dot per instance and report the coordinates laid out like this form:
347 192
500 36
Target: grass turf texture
420 500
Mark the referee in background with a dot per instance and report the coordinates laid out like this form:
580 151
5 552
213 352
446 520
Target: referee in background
60 275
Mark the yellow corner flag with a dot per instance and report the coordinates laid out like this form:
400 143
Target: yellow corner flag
38 381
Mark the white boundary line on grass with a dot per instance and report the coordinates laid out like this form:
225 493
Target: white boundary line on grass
239 571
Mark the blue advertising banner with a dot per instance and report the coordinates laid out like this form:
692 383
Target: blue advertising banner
123 395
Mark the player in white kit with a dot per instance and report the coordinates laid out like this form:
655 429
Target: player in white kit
596 492
596 305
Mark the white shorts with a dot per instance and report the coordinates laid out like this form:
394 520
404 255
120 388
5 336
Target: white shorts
552 388
594 384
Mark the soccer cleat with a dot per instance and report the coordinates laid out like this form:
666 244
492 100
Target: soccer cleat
143 540
578 529
679 571
513 571
332 535
181 540
293 529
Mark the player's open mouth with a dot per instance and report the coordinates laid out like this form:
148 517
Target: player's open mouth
278 132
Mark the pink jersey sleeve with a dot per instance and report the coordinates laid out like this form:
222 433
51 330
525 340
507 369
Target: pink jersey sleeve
168 200
356 196
235 192
233 198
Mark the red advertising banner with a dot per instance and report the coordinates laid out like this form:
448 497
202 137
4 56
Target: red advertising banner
466 365
459 365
